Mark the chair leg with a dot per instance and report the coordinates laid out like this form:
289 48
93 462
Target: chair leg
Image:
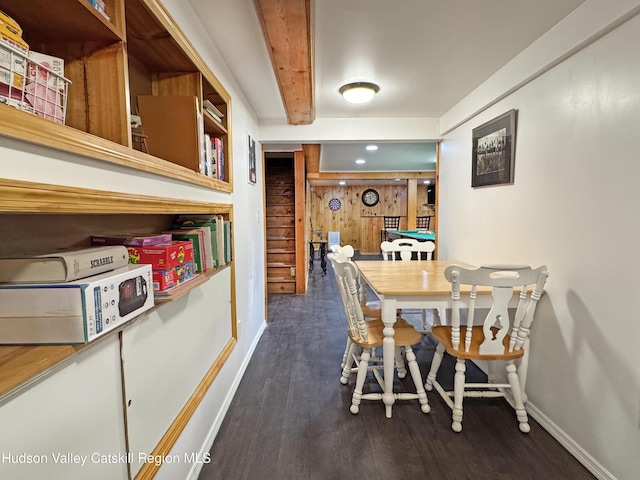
458 395
402 371
347 366
360 378
417 379
345 355
435 366
521 412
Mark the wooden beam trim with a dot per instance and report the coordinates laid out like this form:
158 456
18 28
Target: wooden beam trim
286 25
369 175
19 196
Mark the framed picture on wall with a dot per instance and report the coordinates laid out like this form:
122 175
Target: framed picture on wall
252 160
494 147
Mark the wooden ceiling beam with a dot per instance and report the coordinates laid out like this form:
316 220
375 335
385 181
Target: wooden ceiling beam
287 27
370 175
312 156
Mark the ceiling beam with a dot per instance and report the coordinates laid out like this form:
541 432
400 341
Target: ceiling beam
312 156
286 25
370 175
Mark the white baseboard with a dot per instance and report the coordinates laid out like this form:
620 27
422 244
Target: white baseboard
569 444
213 432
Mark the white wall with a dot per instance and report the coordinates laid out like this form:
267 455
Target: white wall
248 254
574 206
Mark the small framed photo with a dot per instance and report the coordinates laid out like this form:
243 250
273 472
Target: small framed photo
494 148
252 160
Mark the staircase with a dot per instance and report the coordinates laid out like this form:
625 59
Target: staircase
280 222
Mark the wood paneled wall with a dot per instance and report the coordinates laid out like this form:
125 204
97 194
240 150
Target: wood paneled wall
358 224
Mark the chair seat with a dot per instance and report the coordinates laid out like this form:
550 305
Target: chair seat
404 336
443 335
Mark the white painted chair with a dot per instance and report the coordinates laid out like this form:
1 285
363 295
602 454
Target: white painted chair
372 312
404 249
367 336
500 338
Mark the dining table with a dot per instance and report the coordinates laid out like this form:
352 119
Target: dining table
409 285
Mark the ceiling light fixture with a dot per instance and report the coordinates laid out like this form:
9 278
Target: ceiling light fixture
359 92
372 148
360 161
342 182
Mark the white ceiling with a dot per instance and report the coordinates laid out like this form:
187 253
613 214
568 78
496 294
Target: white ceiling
425 55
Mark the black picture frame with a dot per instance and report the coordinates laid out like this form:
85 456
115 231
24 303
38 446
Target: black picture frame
494 147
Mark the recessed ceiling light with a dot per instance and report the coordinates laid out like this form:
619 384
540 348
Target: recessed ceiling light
397 179
342 182
372 148
359 92
360 161
427 182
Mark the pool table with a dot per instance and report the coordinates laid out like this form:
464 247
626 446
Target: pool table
421 235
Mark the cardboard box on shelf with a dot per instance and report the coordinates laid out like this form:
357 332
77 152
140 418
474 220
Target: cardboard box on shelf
12 67
74 312
165 279
162 256
9 23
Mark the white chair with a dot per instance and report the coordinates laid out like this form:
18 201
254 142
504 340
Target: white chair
372 312
404 249
500 338
368 336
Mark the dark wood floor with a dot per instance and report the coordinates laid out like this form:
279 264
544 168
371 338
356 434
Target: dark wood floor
290 418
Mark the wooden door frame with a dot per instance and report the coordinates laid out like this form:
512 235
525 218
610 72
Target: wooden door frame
300 216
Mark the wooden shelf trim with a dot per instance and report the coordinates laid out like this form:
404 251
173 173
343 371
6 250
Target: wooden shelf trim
30 128
28 197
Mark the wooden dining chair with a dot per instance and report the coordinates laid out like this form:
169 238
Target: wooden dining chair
423 222
389 223
372 312
499 337
406 249
368 336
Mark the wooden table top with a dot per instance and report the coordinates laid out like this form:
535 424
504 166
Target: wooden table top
413 277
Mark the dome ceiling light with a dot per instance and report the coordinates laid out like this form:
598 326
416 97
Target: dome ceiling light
359 92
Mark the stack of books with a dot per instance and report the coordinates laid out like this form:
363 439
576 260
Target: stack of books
70 296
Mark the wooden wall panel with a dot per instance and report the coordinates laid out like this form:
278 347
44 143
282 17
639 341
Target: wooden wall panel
358 224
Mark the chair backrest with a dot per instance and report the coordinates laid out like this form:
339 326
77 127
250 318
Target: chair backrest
503 279
423 222
346 249
346 273
391 223
403 249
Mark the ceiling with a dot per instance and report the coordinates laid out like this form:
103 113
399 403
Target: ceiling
426 55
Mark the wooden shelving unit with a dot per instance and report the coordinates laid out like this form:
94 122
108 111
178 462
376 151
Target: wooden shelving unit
109 69
112 62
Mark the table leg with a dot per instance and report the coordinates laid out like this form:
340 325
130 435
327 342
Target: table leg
311 255
323 260
388 353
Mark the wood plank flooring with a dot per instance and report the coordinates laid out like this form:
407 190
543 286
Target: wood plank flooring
290 418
